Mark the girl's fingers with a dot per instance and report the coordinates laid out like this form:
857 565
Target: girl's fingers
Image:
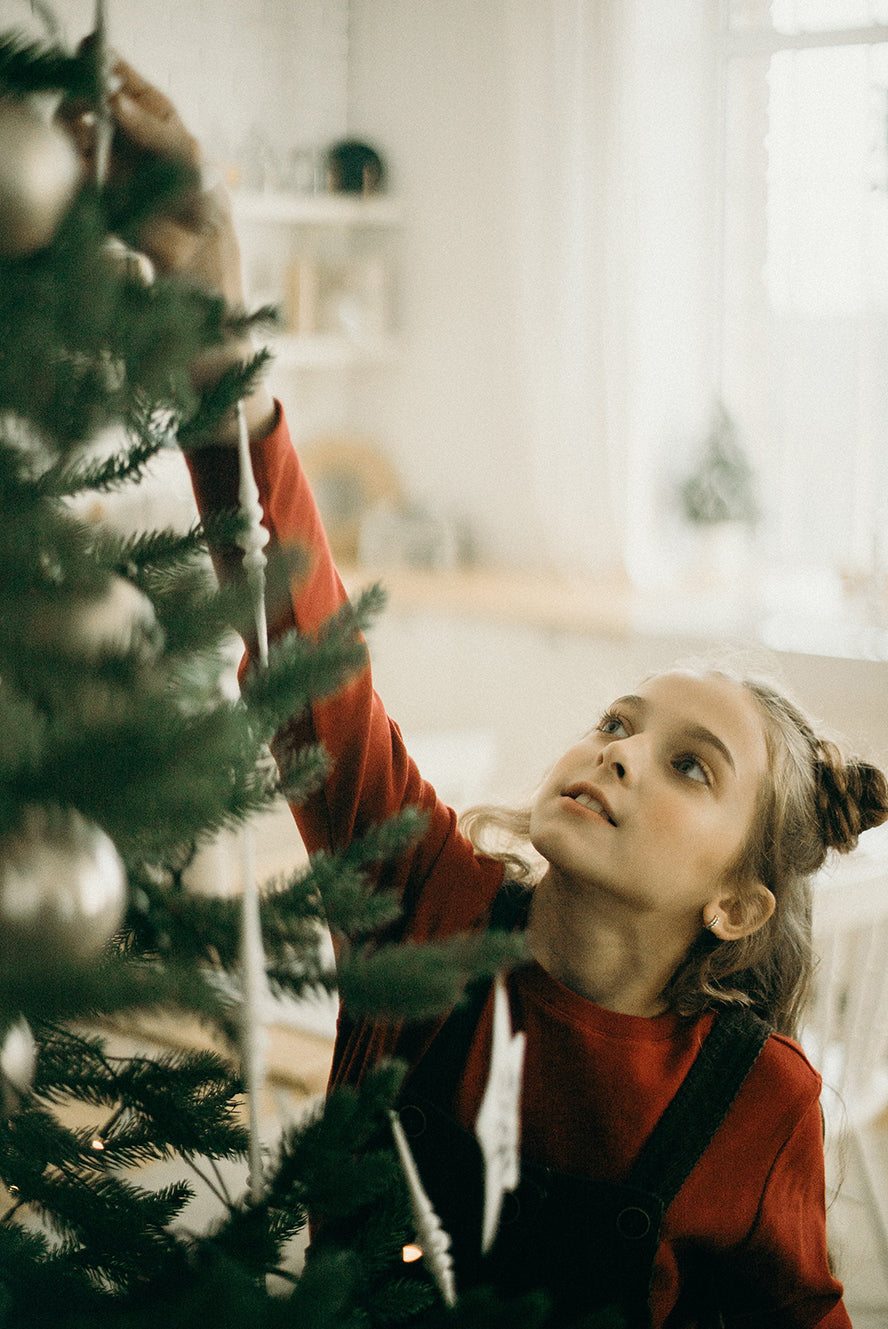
133 85
153 129
148 117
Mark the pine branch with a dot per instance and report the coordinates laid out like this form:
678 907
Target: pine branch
326 1163
188 1100
411 982
303 772
68 478
326 1291
176 1102
28 67
128 773
38 1286
169 920
110 987
351 905
139 551
219 400
301 668
240 322
254 1235
114 1228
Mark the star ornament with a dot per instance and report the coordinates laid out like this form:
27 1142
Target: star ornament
498 1125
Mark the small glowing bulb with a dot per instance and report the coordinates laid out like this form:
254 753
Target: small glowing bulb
98 1143
411 1252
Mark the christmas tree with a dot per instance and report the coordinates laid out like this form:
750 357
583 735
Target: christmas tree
122 752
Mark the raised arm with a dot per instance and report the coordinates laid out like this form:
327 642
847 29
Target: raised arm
443 886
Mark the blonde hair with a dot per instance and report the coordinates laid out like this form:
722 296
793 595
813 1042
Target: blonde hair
813 800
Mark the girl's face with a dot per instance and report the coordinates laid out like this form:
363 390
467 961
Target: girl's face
654 805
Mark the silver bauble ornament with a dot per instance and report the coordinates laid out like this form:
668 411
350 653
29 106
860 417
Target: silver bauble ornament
18 1056
39 172
18 1062
120 618
62 890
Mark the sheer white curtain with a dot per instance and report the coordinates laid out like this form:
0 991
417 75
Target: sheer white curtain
565 63
614 140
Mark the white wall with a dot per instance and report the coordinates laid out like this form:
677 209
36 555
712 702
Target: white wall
430 82
533 691
436 85
232 67
439 83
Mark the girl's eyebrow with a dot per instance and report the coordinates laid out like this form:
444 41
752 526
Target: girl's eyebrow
695 733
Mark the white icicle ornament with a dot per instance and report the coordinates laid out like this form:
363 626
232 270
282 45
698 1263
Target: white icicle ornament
39 172
62 890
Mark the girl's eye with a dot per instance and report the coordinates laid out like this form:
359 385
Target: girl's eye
612 725
693 768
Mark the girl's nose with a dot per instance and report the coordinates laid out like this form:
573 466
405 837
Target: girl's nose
614 757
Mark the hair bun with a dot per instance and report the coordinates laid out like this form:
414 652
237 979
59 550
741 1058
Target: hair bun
852 797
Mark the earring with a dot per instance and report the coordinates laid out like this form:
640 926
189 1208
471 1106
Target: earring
712 922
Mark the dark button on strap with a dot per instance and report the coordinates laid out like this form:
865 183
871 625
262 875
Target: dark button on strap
413 1120
633 1223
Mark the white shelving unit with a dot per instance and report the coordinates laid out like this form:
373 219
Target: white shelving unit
357 210
327 261
333 351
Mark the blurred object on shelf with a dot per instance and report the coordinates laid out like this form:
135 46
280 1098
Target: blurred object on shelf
260 168
348 297
721 488
354 168
361 305
303 174
301 296
406 535
866 584
349 477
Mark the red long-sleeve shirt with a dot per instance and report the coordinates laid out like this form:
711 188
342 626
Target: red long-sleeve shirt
595 1081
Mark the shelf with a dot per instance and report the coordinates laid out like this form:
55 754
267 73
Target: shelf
315 209
610 606
331 351
551 602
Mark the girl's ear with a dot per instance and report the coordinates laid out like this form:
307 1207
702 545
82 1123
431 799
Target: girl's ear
735 915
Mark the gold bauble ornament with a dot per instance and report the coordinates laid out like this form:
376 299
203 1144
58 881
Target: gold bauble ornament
39 173
62 890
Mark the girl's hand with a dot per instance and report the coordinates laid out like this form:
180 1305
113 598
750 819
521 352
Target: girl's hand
197 240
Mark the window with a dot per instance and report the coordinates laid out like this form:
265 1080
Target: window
804 299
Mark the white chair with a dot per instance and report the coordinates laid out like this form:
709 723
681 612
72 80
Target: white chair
846 1035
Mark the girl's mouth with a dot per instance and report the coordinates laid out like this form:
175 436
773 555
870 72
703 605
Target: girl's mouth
586 799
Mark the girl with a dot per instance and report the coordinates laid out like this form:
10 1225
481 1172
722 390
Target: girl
669 935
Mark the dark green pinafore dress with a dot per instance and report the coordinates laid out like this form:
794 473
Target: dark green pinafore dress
589 1245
